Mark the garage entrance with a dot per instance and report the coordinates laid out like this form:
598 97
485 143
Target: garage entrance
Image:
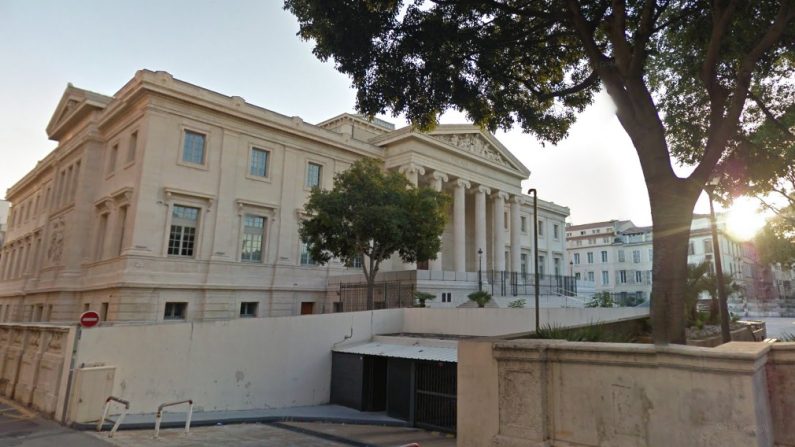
384 377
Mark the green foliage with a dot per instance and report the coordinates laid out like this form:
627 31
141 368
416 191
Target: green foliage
422 297
481 297
593 332
776 240
601 299
373 213
518 304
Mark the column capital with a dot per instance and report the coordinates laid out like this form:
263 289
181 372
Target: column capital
518 199
500 195
439 175
411 168
463 183
484 189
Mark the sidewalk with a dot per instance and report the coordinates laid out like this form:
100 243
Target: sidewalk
318 413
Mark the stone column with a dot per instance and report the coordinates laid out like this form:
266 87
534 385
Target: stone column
412 172
438 181
480 222
499 230
459 217
516 243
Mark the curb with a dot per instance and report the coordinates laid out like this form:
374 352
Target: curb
237 420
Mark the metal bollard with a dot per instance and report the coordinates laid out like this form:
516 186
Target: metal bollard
159 415
105 414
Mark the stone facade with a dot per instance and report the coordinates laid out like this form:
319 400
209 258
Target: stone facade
168 200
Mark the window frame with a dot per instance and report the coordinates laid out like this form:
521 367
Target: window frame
310 262
321 167
196 232
175 305
184 131
268 161
263 237
246 305
111 161
132 149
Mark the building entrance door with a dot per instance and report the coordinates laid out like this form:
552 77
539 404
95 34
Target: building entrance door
307 308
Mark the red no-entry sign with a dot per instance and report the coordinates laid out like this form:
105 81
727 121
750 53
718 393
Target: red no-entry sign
89 319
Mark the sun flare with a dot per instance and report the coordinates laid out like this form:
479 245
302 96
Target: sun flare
743 219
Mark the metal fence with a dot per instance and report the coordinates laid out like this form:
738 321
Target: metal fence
386 295
505 283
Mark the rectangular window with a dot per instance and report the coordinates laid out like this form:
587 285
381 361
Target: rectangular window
193 146
577 258
556 266
523 224
253 237
605 240
590 276
707 246
541 262
523 261
259 162
579 242
691 249
577 276
590 257
122 228
605 277
651 255
175 311
102 228
636 256
112 155
604 256
621 256
182 238
313 175
638 277
357 262
248 309
306 258
103 312
622 276
540 227
132 147
556 231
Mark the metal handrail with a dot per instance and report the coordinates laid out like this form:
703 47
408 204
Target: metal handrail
105 414
159 415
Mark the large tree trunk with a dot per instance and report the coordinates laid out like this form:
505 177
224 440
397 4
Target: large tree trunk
672 213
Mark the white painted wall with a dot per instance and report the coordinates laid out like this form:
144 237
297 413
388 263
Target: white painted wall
277 362
229 365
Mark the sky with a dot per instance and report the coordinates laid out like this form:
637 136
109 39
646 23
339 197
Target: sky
249 48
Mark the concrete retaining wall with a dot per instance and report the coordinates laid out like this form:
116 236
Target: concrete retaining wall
557 393
34 365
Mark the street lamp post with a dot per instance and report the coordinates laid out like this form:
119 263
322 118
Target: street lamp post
534 192
571 278
480 269
722 298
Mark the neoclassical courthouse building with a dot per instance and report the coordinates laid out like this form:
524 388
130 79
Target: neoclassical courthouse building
171 201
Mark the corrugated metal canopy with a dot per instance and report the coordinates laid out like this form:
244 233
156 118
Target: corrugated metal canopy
415 351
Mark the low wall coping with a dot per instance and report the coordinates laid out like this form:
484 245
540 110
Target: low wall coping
735 357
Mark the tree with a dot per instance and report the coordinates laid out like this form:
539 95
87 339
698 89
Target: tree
680 73
372 214
776 242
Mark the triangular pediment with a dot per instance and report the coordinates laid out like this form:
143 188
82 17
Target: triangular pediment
74 102
475 142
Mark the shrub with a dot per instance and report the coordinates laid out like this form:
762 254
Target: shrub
518 304
481 297
422 297
593 332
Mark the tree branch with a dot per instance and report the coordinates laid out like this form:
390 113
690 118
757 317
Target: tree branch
719 134
768 114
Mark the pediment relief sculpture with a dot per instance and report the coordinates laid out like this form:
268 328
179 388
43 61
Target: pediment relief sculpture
474 144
